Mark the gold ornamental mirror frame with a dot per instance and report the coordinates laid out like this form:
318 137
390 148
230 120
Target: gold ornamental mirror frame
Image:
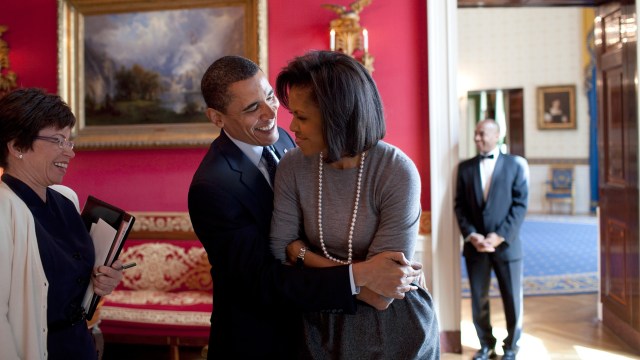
72 23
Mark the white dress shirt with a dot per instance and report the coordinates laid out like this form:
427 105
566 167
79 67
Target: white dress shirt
487 166
254 153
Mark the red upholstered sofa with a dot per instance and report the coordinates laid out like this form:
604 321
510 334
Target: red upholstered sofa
167 298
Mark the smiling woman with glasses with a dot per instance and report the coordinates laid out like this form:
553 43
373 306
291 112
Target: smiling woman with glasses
46 254
62 143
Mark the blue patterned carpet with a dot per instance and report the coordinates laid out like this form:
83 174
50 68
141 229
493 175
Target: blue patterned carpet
560 257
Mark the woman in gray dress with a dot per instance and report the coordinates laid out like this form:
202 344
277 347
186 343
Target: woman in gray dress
350 196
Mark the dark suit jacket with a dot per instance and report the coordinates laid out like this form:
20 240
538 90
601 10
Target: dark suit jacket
505 208
255 298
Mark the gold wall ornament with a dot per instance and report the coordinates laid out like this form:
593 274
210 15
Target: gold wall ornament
7 77
347 36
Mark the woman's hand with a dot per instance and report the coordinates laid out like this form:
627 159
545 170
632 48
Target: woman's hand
293 249
108 279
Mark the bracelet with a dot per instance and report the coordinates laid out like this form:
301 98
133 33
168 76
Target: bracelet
300 258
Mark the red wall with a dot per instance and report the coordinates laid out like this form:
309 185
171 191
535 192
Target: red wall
32 37
158 180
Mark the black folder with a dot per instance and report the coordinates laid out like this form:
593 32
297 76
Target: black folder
94 210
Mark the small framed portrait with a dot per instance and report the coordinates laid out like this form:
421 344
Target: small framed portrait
557 107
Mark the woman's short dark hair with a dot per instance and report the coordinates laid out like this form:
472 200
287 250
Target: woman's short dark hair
348 98
220 75
26 111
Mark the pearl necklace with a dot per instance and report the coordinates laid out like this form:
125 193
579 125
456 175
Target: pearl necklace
353 218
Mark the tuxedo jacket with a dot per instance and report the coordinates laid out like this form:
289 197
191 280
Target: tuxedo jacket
504 209
256 299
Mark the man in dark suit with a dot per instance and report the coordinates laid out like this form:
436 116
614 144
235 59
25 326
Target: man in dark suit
491 202
230 204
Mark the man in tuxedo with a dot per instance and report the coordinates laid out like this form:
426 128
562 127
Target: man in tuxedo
490 204
230 204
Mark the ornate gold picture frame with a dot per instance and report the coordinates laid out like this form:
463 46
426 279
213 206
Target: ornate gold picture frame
131 69
557 107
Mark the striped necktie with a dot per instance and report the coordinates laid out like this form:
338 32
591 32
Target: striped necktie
271 161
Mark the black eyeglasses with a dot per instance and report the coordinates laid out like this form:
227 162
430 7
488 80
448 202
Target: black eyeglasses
62 143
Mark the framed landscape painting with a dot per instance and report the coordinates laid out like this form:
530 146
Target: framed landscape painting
557 107
131 70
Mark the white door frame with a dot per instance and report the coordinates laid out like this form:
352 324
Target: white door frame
444 137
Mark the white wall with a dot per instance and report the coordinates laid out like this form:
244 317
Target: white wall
527 48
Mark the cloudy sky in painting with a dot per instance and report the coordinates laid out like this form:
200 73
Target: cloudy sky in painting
173 42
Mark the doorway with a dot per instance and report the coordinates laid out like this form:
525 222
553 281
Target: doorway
446 27
445 112
506 107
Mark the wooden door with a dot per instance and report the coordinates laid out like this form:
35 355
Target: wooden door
618 174
516 122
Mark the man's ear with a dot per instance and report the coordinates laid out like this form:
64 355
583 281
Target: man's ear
215 117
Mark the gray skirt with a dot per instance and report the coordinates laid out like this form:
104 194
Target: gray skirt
408 329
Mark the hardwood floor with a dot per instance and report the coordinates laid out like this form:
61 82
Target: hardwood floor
555 328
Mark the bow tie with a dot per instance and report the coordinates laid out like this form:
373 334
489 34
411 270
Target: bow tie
482 157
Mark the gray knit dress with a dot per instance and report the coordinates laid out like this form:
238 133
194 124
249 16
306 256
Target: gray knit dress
387 219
